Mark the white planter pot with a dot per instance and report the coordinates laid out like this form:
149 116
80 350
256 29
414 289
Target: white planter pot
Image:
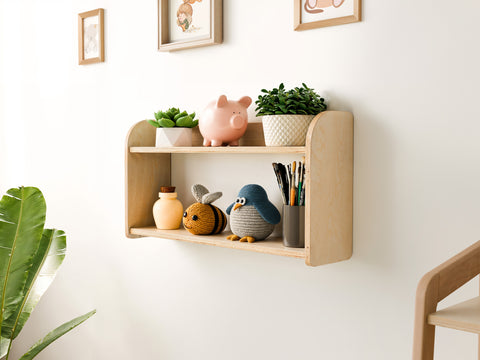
167 137
286 130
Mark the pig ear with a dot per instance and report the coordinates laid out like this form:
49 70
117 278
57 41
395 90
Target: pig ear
222 101
245 101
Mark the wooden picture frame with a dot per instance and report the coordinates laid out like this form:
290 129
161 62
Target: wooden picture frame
91 47
314 9
178 28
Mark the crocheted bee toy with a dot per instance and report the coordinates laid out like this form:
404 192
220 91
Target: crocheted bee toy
203 218
252 215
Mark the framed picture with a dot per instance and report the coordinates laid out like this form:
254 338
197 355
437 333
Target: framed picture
184 24
311 14
91 48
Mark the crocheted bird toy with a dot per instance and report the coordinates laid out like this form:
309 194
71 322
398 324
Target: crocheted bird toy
252 215
203 218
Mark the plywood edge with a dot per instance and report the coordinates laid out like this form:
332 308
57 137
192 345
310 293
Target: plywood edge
329 191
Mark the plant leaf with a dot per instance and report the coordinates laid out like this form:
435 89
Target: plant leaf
153 123
4 343
159 115
54 335
185 121
166 123
180 115
46 262
22 217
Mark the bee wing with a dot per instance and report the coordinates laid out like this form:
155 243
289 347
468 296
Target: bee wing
198 191
211 197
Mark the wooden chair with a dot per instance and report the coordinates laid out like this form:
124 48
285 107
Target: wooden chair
434 287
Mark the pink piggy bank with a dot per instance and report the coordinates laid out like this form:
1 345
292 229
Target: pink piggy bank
224 121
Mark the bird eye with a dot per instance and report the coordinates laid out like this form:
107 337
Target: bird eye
243 201
237 200
194 217
185 214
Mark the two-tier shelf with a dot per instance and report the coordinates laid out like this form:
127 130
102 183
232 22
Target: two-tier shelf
329 186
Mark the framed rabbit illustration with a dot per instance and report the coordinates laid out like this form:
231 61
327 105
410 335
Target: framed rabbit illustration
311 14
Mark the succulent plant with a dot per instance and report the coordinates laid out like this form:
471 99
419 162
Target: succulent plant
173 117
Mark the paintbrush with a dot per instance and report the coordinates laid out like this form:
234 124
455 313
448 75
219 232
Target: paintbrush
279 181
292 185
285 180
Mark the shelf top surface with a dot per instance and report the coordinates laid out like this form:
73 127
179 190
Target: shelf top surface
272 246
220 149
464 316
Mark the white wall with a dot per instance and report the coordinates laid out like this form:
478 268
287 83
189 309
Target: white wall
409 73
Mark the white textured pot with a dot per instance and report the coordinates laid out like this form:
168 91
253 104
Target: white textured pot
176 136
286 130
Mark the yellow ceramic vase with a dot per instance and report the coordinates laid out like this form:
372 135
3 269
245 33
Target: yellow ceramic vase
168 211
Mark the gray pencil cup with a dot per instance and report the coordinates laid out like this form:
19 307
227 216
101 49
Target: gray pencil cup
294 226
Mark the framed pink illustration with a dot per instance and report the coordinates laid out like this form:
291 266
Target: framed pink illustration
311 14
184 24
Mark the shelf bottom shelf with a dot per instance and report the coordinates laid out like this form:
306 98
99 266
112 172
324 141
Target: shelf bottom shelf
272 246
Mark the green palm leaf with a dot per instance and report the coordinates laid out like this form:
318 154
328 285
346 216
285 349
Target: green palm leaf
29 259
47 260
54 335
22 217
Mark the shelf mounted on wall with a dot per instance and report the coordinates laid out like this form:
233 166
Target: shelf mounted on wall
329 187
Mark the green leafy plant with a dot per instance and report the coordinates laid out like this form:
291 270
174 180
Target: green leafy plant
299 101
173 117
28 253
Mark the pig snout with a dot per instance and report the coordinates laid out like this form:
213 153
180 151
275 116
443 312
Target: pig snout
237 121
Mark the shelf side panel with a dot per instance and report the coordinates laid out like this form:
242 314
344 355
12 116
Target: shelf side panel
329 190
144 175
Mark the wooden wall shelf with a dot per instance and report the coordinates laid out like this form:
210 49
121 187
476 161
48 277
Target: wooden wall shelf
329 186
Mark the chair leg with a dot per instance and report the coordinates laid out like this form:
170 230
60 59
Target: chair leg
424 343
424 334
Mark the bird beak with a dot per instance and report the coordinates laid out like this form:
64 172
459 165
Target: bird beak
236 206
